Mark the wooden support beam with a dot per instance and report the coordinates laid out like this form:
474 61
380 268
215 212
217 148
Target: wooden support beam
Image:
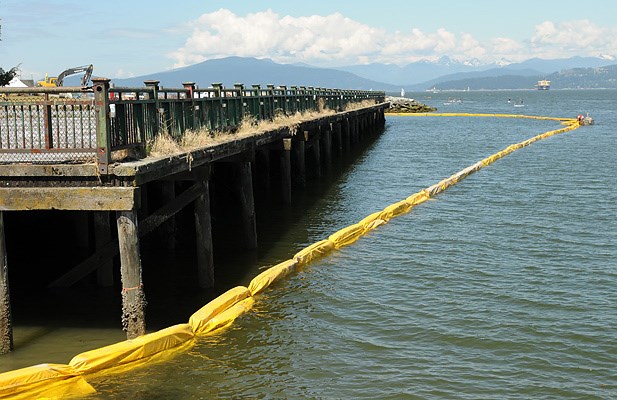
338 137
170 209
69 198
245 156
245 183
355 130
286 171
326 143
299 162
167 230
133 297
317 156
347 134
102 236
6 322
203 230
110 249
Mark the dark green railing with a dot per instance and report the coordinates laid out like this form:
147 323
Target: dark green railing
63 124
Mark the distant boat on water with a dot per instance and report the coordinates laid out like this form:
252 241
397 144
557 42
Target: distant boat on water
452 101
543 84
402 92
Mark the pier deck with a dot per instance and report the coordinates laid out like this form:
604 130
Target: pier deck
59 154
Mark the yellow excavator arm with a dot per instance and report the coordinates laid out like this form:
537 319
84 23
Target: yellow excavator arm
58 81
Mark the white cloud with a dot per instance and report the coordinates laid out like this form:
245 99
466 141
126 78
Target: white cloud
580 37
120 73
315 38
337 40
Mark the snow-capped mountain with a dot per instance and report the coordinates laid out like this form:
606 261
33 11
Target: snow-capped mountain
429 70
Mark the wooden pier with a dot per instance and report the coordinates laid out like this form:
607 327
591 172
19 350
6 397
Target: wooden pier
87 153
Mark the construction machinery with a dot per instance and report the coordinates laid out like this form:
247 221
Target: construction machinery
57 81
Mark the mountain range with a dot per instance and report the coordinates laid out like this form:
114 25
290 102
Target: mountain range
250 71
575 72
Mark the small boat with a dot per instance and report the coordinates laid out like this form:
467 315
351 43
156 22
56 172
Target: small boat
585 120
402 92
543 84
519 104
452 101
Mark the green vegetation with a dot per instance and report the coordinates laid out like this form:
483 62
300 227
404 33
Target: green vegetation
7 76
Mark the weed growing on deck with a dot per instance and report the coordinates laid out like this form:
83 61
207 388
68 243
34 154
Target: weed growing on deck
165 145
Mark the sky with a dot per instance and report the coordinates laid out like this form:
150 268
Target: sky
126 38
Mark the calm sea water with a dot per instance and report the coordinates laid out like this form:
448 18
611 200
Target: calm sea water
504 286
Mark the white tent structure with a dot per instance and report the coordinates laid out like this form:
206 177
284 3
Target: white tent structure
16 83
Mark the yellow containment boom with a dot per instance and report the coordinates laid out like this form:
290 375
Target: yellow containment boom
58 381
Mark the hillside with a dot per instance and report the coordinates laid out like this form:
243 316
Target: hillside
426 72
577 78
586 78
250 71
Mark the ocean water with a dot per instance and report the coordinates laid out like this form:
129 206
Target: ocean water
502 287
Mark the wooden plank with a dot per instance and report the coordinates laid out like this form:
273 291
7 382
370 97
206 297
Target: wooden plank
57 170
96 198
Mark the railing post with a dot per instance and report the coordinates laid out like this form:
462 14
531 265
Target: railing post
260 101
154 84
295 100
240 88
285 100
220 122
312 99
48 123
103 124
190 86
271 101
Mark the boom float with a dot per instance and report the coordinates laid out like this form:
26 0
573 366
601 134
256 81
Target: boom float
58 380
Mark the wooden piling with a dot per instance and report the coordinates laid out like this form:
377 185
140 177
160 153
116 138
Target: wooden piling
347 134
249 222
338 137
133 297
203 230
286 171
6 322
299 160
316 156
326 142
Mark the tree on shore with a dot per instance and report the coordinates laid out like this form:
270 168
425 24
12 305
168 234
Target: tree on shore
7 76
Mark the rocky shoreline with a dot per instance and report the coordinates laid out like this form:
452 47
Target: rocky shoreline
405 105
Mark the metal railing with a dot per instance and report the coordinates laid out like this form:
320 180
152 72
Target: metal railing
72 124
